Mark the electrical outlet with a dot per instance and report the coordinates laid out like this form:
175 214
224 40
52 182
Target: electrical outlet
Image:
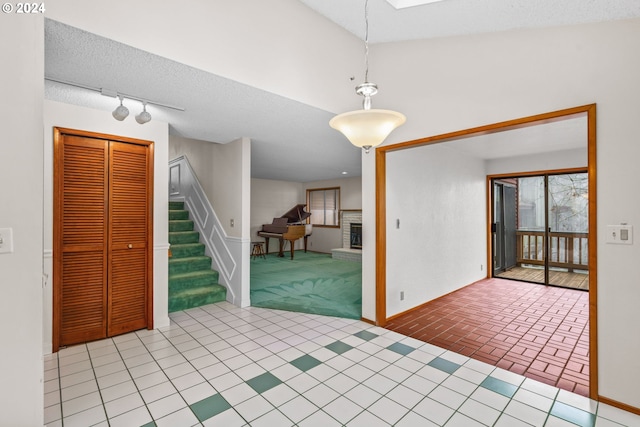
401 295
6 240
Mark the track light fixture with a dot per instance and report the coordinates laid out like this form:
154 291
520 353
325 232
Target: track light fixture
144 115
121 112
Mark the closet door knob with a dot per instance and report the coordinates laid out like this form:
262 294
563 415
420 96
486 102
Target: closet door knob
130 246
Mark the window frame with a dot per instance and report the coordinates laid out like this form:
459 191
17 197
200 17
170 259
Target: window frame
336 209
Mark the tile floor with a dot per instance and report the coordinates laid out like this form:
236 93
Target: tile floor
541 332
220 365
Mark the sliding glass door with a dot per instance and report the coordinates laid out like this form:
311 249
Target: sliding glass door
550 242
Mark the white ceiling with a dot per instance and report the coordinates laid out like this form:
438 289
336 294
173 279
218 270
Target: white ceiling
291 141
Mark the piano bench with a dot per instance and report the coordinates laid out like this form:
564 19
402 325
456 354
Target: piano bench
257 250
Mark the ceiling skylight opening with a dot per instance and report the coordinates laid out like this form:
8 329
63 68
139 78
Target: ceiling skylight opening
403 4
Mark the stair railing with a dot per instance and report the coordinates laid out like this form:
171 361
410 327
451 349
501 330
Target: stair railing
185 187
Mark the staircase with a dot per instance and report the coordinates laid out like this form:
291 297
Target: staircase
192 282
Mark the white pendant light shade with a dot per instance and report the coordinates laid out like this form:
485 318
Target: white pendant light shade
367 128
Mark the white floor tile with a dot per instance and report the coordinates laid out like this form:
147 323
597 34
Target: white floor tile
343 409
158 391
136 417
319 419
367 419
388 410
162 372
77 390
320 395
166 405
298 409
182 418
197 393
81 403
119 390
89 417
254 408
123 404
271 419
525 413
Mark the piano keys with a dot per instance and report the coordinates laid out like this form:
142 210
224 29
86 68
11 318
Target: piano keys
289 227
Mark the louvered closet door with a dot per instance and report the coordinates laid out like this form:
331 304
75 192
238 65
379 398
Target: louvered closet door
82 261
128 236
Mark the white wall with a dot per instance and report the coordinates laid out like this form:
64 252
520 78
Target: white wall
271 199
22 87
438 197
74 117
472 81
539 162
324 239
219 168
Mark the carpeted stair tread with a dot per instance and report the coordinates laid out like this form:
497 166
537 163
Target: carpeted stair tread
196 296
180 225
184 250
178 214
193 278
192 282
178 237
189 264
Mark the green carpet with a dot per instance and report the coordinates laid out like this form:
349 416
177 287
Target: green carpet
310 283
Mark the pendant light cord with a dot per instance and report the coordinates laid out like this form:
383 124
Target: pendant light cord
366 40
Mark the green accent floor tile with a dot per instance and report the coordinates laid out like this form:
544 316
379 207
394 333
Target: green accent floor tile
366 335
573 415
444 365
150 424
306 362
338 347
264 382
400 348
210 407
499 386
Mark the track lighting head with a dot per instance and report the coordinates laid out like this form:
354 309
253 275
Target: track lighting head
144 115
121 112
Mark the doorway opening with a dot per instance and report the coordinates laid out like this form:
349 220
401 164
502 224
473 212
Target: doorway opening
390 170
540 228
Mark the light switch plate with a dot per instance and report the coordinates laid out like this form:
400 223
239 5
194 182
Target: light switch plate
619 234
6 240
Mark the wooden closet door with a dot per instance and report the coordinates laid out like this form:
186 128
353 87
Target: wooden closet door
129 213
81 238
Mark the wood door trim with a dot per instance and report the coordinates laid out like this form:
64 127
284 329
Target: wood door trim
58 138
381 268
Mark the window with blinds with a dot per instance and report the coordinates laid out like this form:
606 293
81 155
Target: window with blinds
324 206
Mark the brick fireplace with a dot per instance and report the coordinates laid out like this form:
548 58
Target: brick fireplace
347 252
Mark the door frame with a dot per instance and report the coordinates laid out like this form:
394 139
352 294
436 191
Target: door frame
381 205
58 135
498 231
545 174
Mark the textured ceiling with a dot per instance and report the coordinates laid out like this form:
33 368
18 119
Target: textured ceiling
291 141
459 17
283 131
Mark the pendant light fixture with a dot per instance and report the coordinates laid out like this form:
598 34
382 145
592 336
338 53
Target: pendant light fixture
368 127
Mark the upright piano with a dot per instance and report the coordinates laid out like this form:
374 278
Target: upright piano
289 227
